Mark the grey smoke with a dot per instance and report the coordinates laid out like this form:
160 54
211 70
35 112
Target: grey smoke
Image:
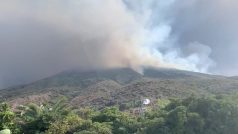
213 23
42 37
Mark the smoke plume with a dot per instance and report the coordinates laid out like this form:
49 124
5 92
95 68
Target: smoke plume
42 37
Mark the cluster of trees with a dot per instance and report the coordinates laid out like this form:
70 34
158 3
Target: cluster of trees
203 115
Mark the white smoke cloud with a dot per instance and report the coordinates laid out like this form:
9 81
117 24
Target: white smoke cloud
199 54
42 37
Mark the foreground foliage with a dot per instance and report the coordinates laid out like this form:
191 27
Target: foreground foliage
193 115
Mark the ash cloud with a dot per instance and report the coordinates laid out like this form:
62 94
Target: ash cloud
42 37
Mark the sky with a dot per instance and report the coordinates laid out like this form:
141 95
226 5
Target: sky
43 37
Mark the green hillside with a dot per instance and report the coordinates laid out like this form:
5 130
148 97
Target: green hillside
119 86
110 102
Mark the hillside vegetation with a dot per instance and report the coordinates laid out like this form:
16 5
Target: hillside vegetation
110 102
118 86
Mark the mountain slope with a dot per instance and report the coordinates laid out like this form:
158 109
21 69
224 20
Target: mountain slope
116 86
69 80
164 73
85 79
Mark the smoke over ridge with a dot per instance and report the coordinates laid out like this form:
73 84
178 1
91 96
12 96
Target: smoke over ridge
42 37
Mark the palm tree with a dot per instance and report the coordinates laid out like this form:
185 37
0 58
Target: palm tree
38 118
31 112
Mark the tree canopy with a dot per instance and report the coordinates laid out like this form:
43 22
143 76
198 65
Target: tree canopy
193 115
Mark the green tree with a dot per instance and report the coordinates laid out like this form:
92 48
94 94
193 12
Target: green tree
69 124
7 119
122 123
195 124
38 118
176 120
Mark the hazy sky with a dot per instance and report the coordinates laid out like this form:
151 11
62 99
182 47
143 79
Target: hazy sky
39 38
